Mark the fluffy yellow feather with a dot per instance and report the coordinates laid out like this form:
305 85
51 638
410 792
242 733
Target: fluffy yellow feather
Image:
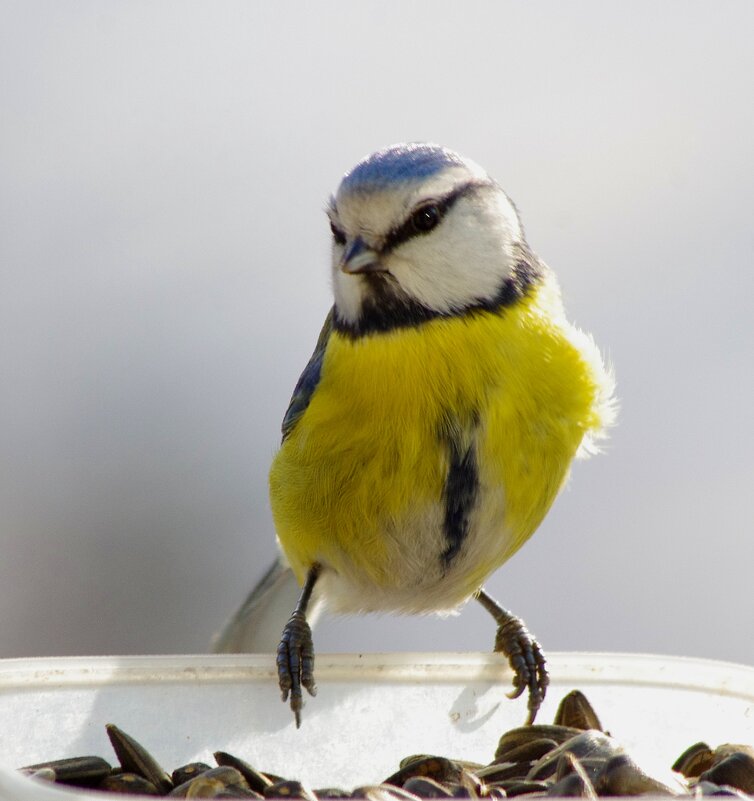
364 466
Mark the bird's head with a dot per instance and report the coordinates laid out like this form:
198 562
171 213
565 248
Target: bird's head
419 232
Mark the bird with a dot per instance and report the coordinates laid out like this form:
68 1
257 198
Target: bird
436 420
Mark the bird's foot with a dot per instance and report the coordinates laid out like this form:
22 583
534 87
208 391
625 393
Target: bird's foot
525 658
295 662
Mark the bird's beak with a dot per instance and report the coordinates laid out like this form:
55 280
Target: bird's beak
359 258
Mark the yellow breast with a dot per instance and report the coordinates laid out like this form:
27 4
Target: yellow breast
358 484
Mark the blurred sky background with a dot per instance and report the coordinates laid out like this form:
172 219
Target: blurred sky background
164 275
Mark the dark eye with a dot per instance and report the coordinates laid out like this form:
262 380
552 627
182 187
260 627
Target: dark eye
337 234
425 218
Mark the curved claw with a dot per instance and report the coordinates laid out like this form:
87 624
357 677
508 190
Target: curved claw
526 660
295 663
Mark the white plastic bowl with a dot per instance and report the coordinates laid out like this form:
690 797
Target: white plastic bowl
371 710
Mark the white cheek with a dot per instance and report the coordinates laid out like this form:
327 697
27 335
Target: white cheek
463 261
347 291
435 278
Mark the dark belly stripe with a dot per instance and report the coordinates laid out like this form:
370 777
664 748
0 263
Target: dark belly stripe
459 496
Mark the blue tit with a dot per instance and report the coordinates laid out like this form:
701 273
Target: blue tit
438 416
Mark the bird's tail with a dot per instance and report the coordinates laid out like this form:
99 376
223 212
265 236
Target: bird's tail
258 623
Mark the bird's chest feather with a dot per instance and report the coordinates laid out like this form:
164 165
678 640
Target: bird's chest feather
430 452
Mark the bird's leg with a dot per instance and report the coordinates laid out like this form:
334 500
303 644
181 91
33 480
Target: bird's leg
524 654
295 657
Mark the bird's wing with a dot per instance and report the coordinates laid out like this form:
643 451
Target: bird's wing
256 625
308 380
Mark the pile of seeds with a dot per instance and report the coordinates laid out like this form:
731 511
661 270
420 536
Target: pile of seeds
571 757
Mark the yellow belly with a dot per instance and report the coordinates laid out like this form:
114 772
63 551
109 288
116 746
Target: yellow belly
358 484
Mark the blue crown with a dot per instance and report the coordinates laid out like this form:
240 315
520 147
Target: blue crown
399 164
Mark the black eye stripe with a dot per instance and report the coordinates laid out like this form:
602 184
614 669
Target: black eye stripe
408 229
337 234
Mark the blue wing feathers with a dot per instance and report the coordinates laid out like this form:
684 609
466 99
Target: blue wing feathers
307 382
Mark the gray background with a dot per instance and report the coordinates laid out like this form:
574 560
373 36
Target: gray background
163 252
